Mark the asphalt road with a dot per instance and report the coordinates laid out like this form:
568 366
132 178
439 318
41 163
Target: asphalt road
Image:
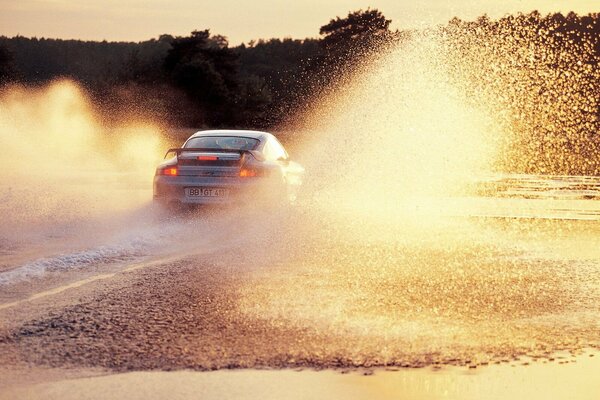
304 290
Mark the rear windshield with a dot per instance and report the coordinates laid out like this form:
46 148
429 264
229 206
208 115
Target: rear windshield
222 142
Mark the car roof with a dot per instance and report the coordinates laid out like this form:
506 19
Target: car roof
262 136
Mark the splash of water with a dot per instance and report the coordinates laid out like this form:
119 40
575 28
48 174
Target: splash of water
61 163
448 108
70 181
540 76
397 138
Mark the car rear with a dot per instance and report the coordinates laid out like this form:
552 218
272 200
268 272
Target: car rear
215 175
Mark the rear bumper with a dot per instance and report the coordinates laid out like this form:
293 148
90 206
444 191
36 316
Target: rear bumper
172 189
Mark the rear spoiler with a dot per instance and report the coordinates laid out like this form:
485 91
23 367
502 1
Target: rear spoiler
179 150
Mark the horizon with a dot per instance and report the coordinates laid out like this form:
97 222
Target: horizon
136 21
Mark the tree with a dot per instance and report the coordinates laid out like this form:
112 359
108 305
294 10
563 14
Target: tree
348 39
206 69
274 70
7 68
346 44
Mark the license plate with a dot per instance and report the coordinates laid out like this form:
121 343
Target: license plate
206 192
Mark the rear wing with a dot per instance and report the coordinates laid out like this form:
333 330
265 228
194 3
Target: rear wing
178 150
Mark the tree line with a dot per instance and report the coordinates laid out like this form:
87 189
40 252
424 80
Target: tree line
549 63
199 80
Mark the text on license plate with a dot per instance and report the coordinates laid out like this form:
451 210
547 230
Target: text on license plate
207 192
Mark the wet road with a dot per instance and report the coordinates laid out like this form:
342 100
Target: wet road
308 289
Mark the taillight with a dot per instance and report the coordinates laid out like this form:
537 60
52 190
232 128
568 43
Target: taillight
248 173
169 171
208 158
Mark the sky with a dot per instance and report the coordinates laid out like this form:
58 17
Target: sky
239 20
